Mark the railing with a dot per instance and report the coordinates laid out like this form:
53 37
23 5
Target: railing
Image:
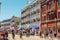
35 8
35 23
25 19
37 15
27 12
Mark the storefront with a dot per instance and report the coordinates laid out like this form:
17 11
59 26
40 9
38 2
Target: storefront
58 28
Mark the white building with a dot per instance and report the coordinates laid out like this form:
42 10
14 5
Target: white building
5 24
31 14
10 23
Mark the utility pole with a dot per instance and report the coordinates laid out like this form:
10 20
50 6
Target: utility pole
0 7
0 13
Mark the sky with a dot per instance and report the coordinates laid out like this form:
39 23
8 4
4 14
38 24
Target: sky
11 8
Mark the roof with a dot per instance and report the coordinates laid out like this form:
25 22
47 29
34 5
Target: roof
6 20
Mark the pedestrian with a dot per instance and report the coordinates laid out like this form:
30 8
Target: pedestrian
20 33
41 34
47 33
13 34
6 35
55 34
3 35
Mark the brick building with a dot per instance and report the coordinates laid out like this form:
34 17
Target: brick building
50 15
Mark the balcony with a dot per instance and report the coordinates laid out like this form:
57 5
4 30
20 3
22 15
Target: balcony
44 1
35 8
35 23
27 12
25 19
37 15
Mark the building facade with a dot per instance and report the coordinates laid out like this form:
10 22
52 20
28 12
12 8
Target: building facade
31 15
8 24
14 23
50 15
5 24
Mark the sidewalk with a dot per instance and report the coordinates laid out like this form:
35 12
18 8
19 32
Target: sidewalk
29 38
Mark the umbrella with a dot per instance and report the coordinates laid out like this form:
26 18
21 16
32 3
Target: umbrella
36 27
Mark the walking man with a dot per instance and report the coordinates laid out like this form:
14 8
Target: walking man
21 34
6 35
13 34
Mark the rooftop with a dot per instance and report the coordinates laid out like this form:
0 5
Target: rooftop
6 20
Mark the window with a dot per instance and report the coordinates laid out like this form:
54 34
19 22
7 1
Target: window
51 15
58 30
58 14
58 2
44 8
44 18
37 11
51 4
58 23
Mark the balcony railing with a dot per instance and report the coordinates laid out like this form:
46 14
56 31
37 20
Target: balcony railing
35 8
27 12
35 23
44 2
37 15
25 19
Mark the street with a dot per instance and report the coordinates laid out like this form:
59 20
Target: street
29 38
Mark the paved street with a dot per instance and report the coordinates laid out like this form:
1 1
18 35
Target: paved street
29 38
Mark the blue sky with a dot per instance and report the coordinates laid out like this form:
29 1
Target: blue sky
11 8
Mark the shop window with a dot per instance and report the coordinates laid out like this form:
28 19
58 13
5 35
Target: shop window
51 15
58 14
58 30
58 2
58 23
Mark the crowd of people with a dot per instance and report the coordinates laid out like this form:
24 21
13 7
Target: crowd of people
4 35
43 34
